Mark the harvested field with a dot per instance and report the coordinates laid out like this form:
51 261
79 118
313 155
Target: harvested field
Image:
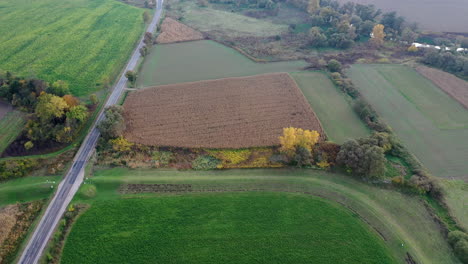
173 31
449 83
225 113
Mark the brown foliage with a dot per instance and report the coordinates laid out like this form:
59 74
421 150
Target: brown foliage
173 31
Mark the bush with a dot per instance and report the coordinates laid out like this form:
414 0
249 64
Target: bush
334 65
302 158
163 157
16 168
205 162
459 242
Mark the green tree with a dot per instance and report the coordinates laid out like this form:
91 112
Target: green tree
317 38
146 17
77 114
93 98
113 125
50 106
334 65
59 88
131 76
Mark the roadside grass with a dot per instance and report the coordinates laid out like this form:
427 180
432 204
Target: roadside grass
456 196
228 22
431 124
223 228
11 126
402 219
202 60
334 111
82 42
27 189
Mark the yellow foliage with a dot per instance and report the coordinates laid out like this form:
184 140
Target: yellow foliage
120 144
297 137
231 156
413 48
313 5
378 35
323 164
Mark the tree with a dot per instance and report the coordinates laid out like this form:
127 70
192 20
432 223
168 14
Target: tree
59 88
378 35
71 100
334 65
77 115
365 28
313 6
413 49
317 38
409 35
120 144
302 157
148 39
146 17
293 138
50 106
113 125
93 98
28 145
131 76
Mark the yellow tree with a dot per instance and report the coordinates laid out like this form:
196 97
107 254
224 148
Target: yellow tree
293 138
121 144
313 5
378 35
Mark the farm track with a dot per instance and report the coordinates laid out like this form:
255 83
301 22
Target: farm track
225 113
70 184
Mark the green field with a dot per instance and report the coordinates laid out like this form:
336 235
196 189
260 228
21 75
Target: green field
340 121
79 41
223 228
27 189
402 220
224 21
203 60
429 122
11 126
456 196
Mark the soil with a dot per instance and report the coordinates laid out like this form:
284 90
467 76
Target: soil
450 84
173 31
225 113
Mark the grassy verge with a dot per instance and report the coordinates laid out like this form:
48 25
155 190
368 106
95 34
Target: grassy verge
11 126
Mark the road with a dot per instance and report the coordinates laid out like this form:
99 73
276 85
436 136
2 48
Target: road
72 181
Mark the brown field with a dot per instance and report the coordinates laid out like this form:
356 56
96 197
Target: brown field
225 113
453 86
173 31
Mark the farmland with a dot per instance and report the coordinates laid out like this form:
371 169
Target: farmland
173 31
429 122
340 121
11 125
202 60
225 113
397 217
453 86
223 228
83 42
447 15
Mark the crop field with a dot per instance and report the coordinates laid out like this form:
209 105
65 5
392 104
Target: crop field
340 121
203 60
81 42
446 15
449 83
223 228
11 125
225 21
432 124
225 113
398 218
173 31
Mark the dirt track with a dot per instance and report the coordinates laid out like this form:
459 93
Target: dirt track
225 113
173 31
453 86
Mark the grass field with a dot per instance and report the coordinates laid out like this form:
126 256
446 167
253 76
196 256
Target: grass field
401 219
432 125
340 121
27 189
202 60
457 199
223 228
79 41
225 21
11 126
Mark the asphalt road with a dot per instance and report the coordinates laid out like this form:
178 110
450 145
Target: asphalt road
72 181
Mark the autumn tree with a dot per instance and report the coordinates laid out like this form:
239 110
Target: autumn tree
120 144
93 99
293 138
59 88
113 125
378 35
50 106
71 100
313 5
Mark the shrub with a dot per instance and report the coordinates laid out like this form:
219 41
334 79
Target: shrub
326 152
459 242
231 156
16 168
205 162
302 157
334 65
163 157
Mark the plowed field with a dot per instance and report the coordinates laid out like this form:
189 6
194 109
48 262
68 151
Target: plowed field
224 113
173 31
453 86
